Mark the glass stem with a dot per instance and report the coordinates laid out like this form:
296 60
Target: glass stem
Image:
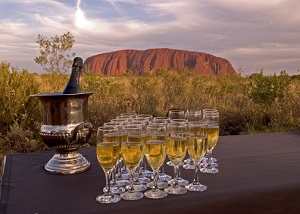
209 164
107 180
144 166
113 176
131 189
119 169
162 169
176 171
196 175
155 179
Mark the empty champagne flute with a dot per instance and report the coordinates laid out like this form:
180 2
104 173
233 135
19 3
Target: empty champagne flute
197 145
176 151
132 153
155 152
107 155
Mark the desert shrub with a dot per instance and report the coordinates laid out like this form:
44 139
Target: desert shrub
16 104
267 89
144 93
173 88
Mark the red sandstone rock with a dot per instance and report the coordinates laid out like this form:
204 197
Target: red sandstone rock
118 62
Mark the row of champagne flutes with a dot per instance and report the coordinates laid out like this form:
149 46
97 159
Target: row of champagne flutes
129 137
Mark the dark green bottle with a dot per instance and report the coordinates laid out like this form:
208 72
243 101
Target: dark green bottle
72 86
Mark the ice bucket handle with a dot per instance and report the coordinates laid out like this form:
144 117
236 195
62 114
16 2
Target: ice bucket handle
78 128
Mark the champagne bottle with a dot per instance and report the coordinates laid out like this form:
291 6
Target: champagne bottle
72 86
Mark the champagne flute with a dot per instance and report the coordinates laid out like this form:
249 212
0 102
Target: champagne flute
191 115
197 145
158 132
143 172
134 133
107 155
132 153
212 120
176 114
207 111
129 114
144 116
161 121
109 133
144 119
155 153
176 151
180 180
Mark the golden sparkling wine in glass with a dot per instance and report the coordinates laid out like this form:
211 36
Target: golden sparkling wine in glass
107 155
132 154
197 147
155 153
213 136
176 151
177 146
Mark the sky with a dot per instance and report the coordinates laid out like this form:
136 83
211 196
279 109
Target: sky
251 34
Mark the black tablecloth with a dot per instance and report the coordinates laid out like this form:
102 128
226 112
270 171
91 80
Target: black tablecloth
258 174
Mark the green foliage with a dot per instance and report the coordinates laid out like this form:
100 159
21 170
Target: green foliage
268 89
54 53
15 103
143 95
20 140
173 88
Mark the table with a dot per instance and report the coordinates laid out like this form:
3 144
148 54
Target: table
259 173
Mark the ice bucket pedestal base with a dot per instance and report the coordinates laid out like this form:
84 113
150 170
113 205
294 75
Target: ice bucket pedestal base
67 163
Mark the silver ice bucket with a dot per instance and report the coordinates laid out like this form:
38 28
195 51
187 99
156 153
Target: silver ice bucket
65 129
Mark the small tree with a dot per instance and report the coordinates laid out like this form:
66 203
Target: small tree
55 57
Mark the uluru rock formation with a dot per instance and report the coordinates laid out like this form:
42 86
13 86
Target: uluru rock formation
140 61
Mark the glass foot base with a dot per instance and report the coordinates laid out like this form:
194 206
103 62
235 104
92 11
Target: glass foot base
147 173
164 177
196 187
181 182
155 194
144 180
132 196
115 189
138 187
160 184
189 166
122 182
107 199
209 170
175 190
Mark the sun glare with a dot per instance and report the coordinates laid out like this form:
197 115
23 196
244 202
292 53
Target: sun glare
80 20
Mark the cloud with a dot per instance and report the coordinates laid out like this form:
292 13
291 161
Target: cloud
251 35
